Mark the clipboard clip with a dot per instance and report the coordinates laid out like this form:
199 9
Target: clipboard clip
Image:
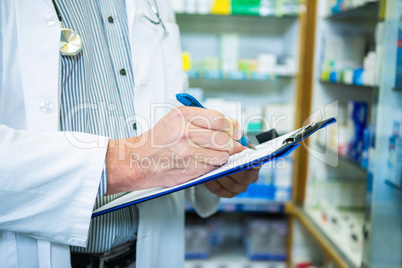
303 132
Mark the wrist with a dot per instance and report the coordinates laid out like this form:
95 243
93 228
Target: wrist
122 171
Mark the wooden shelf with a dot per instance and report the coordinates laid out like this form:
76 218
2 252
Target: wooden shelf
242 76
333 245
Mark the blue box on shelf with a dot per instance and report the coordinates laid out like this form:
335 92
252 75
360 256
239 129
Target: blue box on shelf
193 74
358 76
236 75
212 75
358 116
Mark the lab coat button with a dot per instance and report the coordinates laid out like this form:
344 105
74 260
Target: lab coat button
46 107
50 20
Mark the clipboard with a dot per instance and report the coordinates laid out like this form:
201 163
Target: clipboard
273 149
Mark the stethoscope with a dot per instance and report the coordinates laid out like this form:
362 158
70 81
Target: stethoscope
155 10
70 42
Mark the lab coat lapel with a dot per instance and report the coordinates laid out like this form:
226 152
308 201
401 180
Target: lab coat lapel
38 23
131 9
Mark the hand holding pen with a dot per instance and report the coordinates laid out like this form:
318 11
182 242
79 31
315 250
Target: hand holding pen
236 183
186 143
188 100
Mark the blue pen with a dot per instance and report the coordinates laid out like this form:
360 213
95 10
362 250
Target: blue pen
188 100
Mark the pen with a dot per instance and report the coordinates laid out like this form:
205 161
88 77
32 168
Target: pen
188 100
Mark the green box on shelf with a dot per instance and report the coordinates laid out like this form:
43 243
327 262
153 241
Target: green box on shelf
245 7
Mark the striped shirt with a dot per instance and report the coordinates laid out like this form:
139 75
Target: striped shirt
98 97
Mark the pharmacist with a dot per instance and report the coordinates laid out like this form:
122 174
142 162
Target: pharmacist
68 133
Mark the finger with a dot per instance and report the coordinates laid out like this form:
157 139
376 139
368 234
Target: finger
216 188
217 140
232 185
246 176
211 119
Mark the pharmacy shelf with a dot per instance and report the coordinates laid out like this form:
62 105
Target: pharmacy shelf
250 205
369 10
345 159
253 205
206 16
253 76
337 246
363 87
231 255
232 261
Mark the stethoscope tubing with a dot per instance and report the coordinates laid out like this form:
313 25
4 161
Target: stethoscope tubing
157 14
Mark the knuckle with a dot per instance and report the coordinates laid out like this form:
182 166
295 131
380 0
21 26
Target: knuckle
235 124
186 112
220 120
224 138
176 115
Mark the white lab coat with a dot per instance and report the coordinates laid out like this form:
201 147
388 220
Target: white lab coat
49 179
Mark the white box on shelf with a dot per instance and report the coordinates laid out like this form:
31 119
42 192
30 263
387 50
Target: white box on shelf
204 6
230 109
229 52
344 47
267 63
190 6
178 5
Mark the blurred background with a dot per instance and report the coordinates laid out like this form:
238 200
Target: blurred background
336 202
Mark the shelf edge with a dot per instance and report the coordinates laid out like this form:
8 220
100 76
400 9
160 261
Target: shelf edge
319 237
349 12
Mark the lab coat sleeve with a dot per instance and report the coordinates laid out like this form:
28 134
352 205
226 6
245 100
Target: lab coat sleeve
202 200
49 182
